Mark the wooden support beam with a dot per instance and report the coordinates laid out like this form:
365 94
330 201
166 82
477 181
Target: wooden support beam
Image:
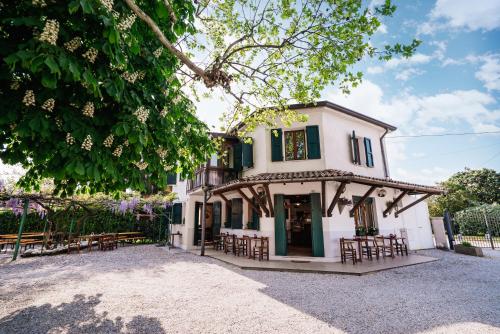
336 198
269 199
412 204
249 201
259 200
362 199
395 202
228 202
323 198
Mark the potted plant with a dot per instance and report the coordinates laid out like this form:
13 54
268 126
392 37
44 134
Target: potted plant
467 249
372 230
360 231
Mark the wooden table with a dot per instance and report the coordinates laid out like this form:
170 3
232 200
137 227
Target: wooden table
172 239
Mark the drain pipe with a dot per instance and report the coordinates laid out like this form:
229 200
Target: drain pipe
382 147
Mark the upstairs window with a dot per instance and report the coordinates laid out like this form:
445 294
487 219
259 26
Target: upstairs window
295 145
361 150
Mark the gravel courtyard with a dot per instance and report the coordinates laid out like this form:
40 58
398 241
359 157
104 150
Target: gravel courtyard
146 289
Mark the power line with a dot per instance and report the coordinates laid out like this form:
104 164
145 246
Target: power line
492 158
445 134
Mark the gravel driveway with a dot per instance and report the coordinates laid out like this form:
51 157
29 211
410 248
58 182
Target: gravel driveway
146 289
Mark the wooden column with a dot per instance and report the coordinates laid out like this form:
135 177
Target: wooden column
224 198
412 204
362 199
395 202
323 198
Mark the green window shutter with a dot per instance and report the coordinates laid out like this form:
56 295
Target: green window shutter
197 223
217 206
237 213
313 146
237 155
171 178
276 145
229 213
368 152
247 155
318 248
280 239
355 148
255 217
177 213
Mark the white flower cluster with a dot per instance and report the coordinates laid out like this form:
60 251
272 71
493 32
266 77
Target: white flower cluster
157 53
69 139
16 83
108 4
125 143
74 44
141 165
162 153
164 111
39 3
177 99
187 129
115 14
118 151
59 123
87 143
12 126
130 77
50 32
90 55
49 105
167 168
88 109
127 23
29 98
108 141
142 114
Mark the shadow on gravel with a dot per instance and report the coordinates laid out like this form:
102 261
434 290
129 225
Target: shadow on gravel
78 316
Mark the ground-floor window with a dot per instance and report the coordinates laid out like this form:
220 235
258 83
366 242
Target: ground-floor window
364 215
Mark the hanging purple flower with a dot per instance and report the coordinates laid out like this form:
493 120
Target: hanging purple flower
16 205
148 208
123 207
133 203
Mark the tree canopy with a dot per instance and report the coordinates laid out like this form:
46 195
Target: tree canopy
91 100
466 189
93 92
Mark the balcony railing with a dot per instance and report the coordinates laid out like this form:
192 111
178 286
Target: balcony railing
216 176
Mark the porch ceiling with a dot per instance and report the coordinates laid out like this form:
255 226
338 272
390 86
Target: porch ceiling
325 175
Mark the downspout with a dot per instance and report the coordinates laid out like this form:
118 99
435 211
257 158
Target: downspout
382 147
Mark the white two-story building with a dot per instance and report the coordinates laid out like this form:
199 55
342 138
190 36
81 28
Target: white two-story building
305 186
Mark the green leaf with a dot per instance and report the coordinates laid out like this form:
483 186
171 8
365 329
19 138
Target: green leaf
49 80
52 64
79 168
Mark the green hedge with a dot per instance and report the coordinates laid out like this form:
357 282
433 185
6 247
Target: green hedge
99 221
471 221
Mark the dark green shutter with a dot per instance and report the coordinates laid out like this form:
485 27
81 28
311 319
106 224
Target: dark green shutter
237 163
237 213
229 213
197 224
355 148
280 239
216 218
177 213
277 145
318 248
255 217
171 178
247 155
368 152
313 146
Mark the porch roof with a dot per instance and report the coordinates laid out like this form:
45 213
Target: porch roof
325 175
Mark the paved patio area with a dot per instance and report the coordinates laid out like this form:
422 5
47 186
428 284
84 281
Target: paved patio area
304 265
146 289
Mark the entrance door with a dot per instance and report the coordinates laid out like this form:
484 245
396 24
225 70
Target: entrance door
318 248
209 219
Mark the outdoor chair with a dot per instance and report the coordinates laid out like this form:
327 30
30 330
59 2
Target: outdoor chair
108 242
219 242
400 245
241 246
229 243
368 248
261 249
381 247
347 251
73 242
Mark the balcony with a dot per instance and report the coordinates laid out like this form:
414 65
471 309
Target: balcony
216 176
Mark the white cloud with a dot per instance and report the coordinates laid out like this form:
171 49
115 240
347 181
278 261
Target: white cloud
462 14
489 72
416 59
428 176
375 69
408 73
382 29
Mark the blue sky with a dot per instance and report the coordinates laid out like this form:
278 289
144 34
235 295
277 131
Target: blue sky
451 85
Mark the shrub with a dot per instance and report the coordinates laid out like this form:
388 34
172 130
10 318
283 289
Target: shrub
471 221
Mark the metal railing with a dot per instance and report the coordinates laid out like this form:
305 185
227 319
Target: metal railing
477 227
215 176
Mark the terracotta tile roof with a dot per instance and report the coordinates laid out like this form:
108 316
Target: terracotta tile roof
325 175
